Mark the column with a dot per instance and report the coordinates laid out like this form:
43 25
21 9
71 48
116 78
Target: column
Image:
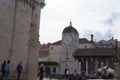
107 62
96 65
34 40
79 67
102 64
86 67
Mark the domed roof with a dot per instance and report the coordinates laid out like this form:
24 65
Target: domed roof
70 29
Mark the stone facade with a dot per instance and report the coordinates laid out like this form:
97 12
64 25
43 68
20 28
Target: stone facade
54 52
19 32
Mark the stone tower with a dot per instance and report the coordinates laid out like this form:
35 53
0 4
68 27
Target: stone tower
70 42
19 33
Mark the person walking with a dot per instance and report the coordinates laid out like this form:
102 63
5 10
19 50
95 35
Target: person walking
66 74
8 68
41 72
19 70
3 69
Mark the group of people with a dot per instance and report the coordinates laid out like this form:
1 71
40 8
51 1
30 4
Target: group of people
6 70
104 74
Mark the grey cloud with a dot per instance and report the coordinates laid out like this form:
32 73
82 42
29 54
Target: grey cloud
115 15
111 20
98 35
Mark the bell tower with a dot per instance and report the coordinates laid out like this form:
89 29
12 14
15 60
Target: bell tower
70 42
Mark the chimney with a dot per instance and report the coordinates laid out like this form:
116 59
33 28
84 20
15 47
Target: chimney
92 37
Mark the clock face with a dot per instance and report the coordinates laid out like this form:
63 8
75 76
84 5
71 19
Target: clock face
67 39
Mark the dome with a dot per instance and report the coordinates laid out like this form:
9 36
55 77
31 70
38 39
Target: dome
70 29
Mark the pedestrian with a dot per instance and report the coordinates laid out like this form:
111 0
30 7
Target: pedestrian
66 74
8 68
75 74
19 70
41 72
3 69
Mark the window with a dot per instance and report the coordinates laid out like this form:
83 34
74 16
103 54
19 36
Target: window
52 48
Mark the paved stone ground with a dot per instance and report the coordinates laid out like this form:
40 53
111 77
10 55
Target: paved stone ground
65 79
47 79
88 79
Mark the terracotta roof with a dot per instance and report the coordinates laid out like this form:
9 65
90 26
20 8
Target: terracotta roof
94 52
44 46
43 53
83 40
102 41
112 39
57 42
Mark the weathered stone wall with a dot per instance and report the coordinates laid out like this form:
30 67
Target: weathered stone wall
55 53
15 19
6 27
19 33
20 45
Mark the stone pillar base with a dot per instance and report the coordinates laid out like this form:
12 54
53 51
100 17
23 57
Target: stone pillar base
117 70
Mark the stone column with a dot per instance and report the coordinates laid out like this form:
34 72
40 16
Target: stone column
76 65
102 64
107 62
86 67
96 65
33 62
79 68
33 52
34 39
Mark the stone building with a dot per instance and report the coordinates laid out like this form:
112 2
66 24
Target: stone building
50 64
77 54
19 33
44 52
70 42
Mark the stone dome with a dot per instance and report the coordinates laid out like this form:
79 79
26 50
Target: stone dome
70 29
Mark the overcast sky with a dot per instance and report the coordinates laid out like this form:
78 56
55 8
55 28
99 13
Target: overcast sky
98 17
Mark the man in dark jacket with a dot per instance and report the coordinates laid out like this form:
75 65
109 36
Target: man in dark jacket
3 69
41 72
19 70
